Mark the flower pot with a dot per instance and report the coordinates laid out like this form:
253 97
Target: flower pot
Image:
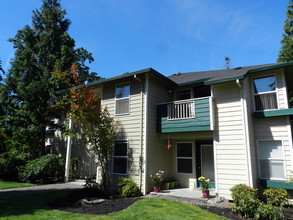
167 186
156 189
176 184
206 194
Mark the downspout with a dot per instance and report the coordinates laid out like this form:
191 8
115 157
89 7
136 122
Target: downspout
146 88
140 135
68 153
246 133
289 128
214 143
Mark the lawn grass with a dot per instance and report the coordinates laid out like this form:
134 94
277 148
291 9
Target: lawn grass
7 185
34 207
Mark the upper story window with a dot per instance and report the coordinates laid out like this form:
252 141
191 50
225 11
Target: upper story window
122 95
202 91
265 96
183 94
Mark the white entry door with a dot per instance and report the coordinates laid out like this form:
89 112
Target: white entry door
207 162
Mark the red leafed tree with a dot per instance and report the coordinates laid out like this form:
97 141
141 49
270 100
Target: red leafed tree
95 123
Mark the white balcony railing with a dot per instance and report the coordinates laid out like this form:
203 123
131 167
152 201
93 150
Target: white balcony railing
181 110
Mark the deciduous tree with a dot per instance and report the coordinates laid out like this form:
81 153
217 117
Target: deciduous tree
95 123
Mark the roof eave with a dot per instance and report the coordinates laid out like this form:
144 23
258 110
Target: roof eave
125 75
274 66
251 71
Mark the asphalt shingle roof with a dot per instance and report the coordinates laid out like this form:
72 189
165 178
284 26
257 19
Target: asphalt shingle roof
210 77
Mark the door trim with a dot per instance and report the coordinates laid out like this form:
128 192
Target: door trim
198 162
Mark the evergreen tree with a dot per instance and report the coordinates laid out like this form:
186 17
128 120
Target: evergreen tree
286 51
1 70
44 53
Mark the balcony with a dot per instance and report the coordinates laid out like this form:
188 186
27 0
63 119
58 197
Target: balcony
185 115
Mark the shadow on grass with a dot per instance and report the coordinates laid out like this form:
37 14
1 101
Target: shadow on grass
28 201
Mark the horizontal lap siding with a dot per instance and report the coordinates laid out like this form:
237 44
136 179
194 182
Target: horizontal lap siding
130 124
158 156
201 122
283 102
229 139
275 129
79 149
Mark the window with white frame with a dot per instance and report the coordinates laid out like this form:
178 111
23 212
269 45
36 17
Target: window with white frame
265 96
183 94
184 158
122 95
120 157
271 159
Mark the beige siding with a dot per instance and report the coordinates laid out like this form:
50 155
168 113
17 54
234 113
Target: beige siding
268 128
130 128
229 138
275 129
58 145
158 156
248 100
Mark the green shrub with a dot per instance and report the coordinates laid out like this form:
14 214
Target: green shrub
265 211
268 211
276 196
128 188
10 163
245 200
46 169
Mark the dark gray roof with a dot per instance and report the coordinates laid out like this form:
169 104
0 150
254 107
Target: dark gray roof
206 77
218 76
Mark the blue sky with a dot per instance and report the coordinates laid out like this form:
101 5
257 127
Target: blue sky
170 36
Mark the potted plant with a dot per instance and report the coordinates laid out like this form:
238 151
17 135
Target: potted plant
205 186
157 180
166 185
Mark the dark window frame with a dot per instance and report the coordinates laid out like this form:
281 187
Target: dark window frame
265 100
189 158
119 100
120 157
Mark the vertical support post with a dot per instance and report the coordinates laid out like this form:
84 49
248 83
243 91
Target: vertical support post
68 153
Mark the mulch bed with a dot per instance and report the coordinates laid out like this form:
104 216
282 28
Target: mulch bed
71 203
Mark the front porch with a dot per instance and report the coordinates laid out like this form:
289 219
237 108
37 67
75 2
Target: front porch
187 193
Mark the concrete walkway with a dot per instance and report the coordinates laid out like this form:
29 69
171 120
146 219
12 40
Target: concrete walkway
187 193
7 193
193 196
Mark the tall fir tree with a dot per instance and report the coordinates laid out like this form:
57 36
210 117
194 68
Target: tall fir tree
44 53
1 70
286 51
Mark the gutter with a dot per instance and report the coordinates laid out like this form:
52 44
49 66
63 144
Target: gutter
146 88
68 153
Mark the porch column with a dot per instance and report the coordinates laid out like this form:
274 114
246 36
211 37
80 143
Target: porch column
68 153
